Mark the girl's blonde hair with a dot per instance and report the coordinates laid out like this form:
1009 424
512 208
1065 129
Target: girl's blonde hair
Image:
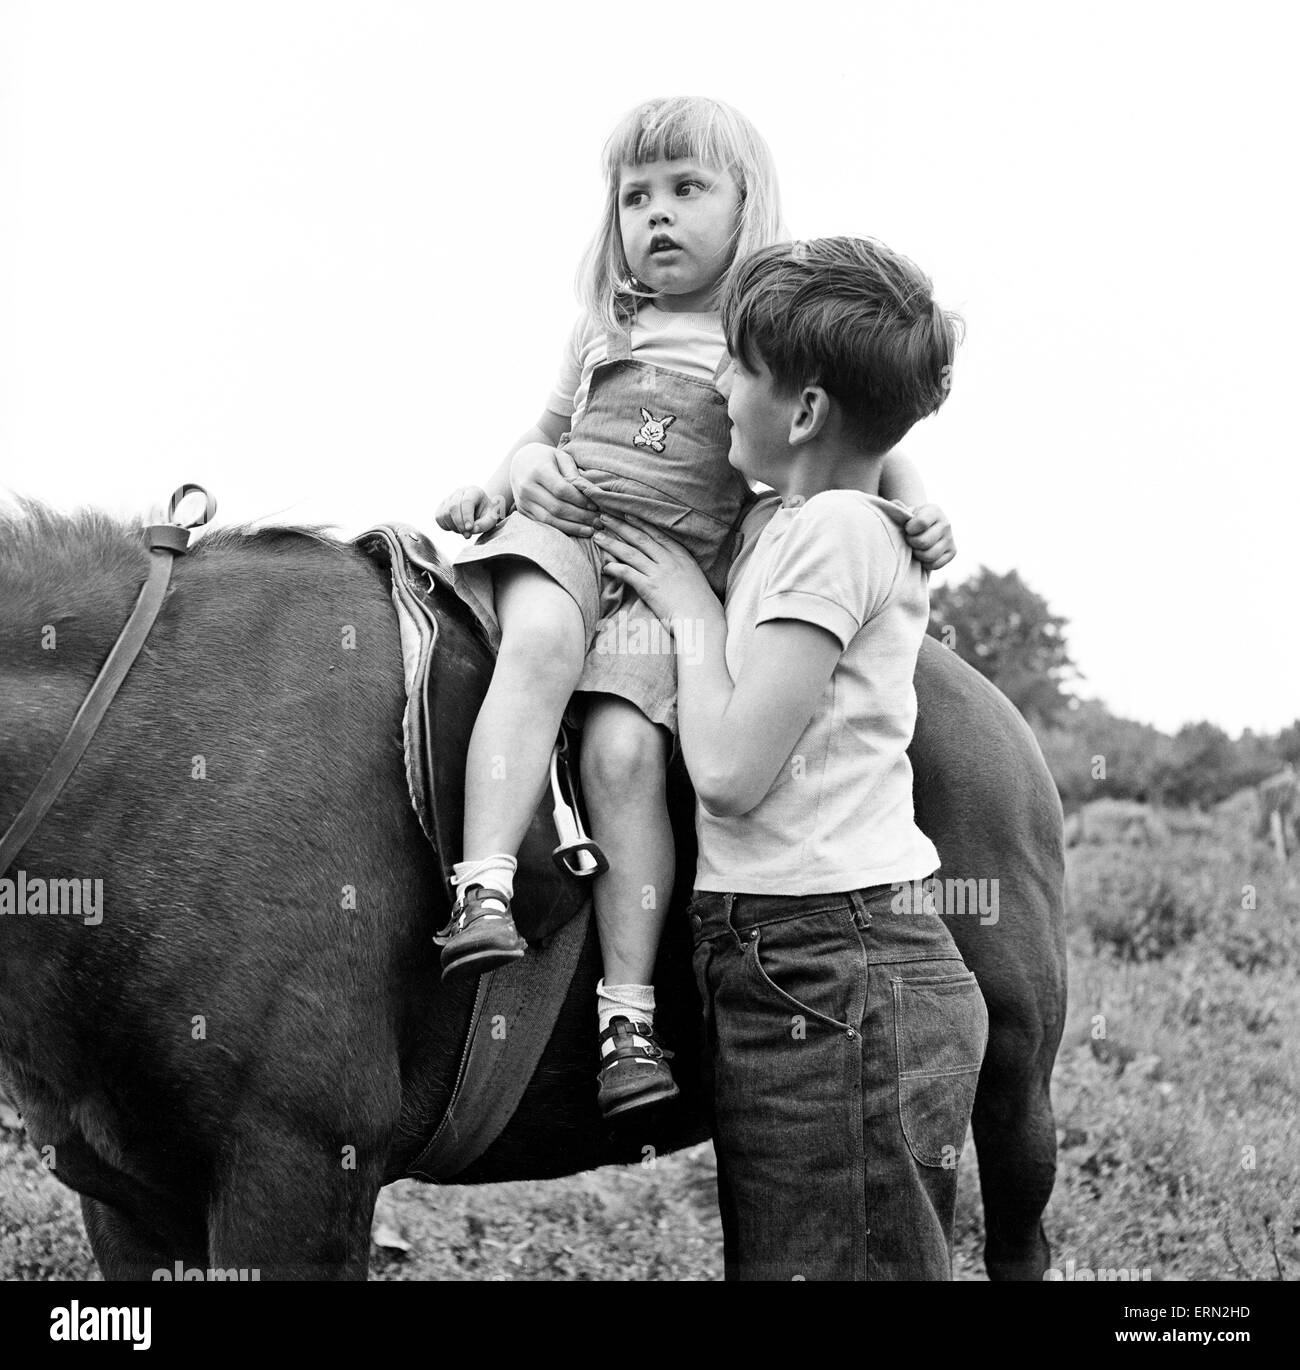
682 127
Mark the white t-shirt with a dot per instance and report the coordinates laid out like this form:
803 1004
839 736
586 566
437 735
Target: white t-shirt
690 343
839 815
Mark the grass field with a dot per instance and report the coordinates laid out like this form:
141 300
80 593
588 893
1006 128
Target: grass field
1175 1091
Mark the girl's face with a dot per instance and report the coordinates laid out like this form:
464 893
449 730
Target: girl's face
678 222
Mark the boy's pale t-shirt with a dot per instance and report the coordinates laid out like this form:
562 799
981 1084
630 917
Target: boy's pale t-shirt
839 815
692 343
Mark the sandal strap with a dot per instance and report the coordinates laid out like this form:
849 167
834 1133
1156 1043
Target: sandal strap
624 1032
469 909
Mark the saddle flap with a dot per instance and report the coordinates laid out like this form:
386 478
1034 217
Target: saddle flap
447 660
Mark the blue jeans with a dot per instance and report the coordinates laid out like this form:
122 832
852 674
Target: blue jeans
843 1044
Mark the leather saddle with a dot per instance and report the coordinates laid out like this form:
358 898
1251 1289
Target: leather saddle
447 658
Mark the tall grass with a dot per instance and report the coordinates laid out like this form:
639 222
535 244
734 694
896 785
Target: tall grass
1177 1084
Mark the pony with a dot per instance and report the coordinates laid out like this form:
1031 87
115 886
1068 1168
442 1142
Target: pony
252 1037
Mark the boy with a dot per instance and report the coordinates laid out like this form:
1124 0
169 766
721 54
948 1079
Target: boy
845 1041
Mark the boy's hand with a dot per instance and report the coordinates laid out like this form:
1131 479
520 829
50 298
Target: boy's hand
928 533
469 509
660 570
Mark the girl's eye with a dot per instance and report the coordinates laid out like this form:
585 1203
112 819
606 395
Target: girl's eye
634 198
685 188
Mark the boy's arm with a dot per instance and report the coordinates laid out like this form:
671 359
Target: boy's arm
737 736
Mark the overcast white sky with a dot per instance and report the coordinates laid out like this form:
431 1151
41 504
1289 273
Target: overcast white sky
318 255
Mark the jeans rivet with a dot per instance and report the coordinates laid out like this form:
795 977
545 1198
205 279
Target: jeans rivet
851 1034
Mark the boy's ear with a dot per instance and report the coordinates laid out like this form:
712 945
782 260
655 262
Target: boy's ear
811 411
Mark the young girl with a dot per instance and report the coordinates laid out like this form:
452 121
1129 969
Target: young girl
638 412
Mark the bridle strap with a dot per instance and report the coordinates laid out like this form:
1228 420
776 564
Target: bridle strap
166 541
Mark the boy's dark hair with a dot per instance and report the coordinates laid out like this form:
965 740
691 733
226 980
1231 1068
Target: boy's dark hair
851 316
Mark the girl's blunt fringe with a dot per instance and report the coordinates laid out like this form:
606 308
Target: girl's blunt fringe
694 128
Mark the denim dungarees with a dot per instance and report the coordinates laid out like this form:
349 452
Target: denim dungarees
656 441
675 477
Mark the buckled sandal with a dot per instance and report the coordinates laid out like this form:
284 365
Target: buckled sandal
481 935
634 1069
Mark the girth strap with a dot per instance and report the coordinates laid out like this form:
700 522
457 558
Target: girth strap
515 1011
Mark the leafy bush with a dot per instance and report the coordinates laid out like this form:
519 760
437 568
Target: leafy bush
1262 938
1134 901
1141 902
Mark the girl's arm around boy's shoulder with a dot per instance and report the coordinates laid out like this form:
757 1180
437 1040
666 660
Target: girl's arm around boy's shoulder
927 529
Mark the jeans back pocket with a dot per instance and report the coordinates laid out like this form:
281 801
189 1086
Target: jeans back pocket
940 1032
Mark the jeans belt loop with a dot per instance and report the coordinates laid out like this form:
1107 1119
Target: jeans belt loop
729 911
860 915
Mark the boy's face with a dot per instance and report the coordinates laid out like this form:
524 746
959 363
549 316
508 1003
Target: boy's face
678 223
760 424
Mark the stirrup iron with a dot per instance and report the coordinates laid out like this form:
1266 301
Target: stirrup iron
577 855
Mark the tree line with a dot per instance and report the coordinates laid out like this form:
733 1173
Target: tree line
1008 633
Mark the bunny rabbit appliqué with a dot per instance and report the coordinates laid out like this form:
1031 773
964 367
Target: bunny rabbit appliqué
653 430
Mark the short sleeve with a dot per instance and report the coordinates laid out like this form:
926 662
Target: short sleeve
835 567
561 400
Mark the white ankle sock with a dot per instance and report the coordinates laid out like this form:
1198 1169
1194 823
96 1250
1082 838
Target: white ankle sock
636 1002
492 872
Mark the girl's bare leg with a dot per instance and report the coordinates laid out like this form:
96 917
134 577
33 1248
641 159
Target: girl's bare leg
542 647
624 763
624 782
540 658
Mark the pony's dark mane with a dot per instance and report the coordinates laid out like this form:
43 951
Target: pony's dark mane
89 566
38 539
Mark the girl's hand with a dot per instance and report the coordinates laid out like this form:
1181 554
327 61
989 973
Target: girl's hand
662 572
542 480
928 533
469 509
